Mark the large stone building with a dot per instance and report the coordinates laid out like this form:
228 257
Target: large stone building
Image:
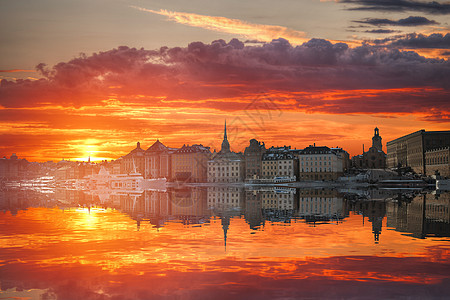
279 164
158 161
190 163
320 163
409 150
226 166
253 159
437 160
374 158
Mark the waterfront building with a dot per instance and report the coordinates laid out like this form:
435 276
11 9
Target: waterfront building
190 163
279 163
320 163
158 161
374 158
409 150
253 159
226 166
437 160
133 161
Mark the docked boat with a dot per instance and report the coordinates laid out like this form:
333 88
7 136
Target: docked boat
120 183
443 184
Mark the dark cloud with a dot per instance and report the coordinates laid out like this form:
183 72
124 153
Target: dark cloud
381 31
432 7
409 21
227 76
417 41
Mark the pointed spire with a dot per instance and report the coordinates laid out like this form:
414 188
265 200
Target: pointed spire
225 131
225 143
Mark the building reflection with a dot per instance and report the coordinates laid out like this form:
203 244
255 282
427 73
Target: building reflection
373 210
424 215
414 213
320 205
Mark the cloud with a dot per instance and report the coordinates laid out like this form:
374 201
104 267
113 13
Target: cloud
259 32
417 41
409 21
432 7
317 76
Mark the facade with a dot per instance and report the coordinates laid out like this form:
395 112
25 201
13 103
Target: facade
409 150
226 166
133 161
279 164
189 163
158 161
320 163
437 161
253 159
375 158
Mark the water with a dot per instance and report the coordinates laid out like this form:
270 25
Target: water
224 243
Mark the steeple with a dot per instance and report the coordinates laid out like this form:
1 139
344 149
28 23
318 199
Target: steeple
225 143
376 140
225 131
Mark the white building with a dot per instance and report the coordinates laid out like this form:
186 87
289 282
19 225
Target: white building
279 164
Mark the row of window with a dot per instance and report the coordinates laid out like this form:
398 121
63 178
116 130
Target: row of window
437 160
320 163
223 168
316 158
315 170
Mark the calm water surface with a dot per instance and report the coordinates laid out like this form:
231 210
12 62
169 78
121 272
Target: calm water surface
224 243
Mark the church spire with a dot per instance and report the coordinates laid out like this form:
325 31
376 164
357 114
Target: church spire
225 131
225 143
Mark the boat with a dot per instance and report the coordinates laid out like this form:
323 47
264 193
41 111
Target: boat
443 184
132 182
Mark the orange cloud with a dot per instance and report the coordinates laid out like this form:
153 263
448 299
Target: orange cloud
259 32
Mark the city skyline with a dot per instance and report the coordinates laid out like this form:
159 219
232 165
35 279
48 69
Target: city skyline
324 72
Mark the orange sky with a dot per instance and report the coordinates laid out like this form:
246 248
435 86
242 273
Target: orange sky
281 80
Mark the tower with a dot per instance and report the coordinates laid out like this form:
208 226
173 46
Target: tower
225 143
376 140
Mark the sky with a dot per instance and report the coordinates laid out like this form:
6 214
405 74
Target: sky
92 78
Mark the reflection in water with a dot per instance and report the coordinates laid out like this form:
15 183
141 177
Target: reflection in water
224 242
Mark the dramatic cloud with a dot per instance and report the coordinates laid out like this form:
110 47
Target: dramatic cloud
260 32
409 21
416 41
228 76
433 7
